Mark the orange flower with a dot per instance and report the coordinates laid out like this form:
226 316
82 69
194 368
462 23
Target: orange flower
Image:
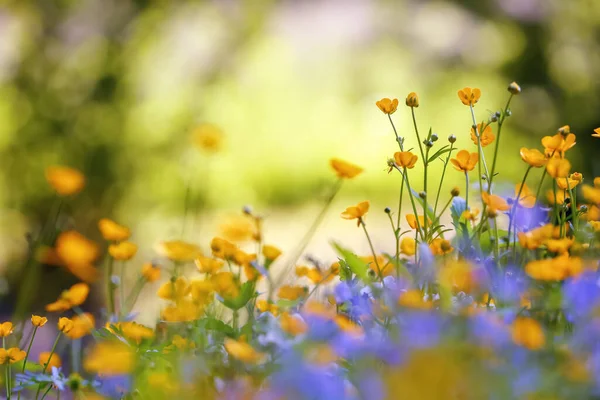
533 157
558 144
569 183
150 272
591 193
65 324
527 199
112 231
344 169
408 246
64 180
6 328
486 135
51 359
440 246
72 297
561 195
243 351
178 250
465 161
82 326
405 159
387 106
357 212
558 167
596 133
38 321
122 251
12 355
469 96
412 100
412 221
494 203
78 253
528 333
292 324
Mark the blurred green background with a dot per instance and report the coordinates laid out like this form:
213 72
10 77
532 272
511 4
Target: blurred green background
115 87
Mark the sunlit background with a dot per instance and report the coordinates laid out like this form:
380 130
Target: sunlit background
116 87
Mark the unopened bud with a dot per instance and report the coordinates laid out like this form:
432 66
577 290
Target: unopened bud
400 140
428 143
412 100
494 117
514 88
583 208
387 210
508 112
455 191
564 130
434 137
452 138
422 195
247 210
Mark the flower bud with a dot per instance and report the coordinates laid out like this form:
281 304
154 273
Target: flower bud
455 191
422 195
434 137
247 210
583 209
400 140
412 100
494 117
508 113
514 88
452 138
387 210
428 143
564 130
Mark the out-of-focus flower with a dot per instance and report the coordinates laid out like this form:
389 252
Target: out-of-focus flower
208 137
591 193
185 310
494 203
271 252
596 133
6 328
72 297
179 251
528 333
209 265
38 321
77 254
290 292
558 167
12 355
412 100
243 351
526 197
387 106
514 88
408 246
134 331
65 324
292 324
238 228
412 221
405 159
413 298
174 290
150 272
533 157
122 251
222 248
569 183
357 212
468 96
465 161
485 135
225 284
53 360
64 180
536 237
110 358
344 169
82 326
440 246
112 231
556 146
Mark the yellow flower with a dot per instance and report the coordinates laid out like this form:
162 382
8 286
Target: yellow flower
208 265
405 159
494 203
78 253
243 351
412 100
469 96
536 237
292 324
596 133
357 212
6 328
184 311
558 167
179 251
82 326
470 215
408 246
347 325
238 228
569 183
134 331
72 297
112 231
533 157
344 169
413 298
122 251
486 136
527 199
412 221
559 245
383 266
52 360
202 290
110 358
558 144
225 284
65 324
208 137
264 306
591 193
290 292
528 333
458 276
174 290
150 272
465 161
561 195
440 246
387 106
64 180
38 321
12 355
222 248
271 252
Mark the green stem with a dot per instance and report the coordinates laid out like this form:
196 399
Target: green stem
122 289
28 351
574 216
398 217
412 111
400 145
379 271
46 392
6 372
500 124
466 191
414 207
109 287
479 152
516 205
437 197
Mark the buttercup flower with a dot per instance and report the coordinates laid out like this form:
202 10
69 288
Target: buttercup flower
528 333
591 193
12 355
6 328
533 157
514 88
558 144
405 159
110 358
150 272
179 251
122 251
112 231
412 221
72 297
596 133
569 183
208 137
65 324
64 180
485 135
494 203
290 292
465 161
412 100
469 96
38 321
243 351
52 361
238 228
527 198
344 169
558 167
387 106
271 252
357 212
408 246
77 254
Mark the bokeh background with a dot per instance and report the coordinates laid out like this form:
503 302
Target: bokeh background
115 88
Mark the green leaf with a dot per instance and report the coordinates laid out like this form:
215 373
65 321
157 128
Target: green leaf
247 292
440 152
356 265
214 324
429 210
